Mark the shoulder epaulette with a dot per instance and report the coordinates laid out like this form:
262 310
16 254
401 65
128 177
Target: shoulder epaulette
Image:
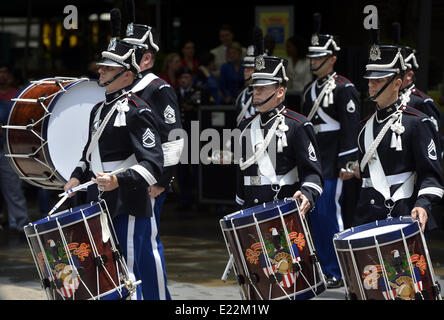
138 102
413 111
294 115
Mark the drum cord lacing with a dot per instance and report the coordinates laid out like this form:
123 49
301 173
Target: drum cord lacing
70 260
114 240
39 271
412 271
267 260
429 262
355 267
97 255
45 259
293 256
244 264
347 293
310 245
384 271
242 293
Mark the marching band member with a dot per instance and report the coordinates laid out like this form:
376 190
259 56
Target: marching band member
279 134
162 99
244 101
123 134
400 168
409 94
331 102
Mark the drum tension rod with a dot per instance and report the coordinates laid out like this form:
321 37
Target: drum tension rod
100 260
116 255
298 266
314 257
421 295
240 279
436 289
276 277
46 283
254 278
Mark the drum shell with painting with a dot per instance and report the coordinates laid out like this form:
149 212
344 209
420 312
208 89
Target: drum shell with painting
243 242
48 243
46 155
367 252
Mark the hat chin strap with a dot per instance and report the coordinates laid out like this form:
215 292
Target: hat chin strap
373 98
257 105
321 65
107 83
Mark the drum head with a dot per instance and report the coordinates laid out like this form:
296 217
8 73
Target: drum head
375 231
68 125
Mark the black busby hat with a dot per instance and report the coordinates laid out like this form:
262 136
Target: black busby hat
139 35
321 44
408 53
384 60
248 60
118 53
267 69
410 61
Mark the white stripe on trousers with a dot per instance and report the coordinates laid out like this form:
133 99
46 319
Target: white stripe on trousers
338 193
130 251
157 259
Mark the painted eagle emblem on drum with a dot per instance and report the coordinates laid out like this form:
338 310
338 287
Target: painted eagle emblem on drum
279 259
399 279
66 272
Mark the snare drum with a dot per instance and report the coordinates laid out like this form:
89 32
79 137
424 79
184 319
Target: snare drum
386 260
273 252
77 255
48 128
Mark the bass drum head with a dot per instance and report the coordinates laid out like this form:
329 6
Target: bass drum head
68 125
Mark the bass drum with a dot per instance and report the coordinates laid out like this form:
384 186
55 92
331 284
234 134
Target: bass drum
47 129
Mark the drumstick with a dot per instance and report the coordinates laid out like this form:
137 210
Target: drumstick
87 184
58 204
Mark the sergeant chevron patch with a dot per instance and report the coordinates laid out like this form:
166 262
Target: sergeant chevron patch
169 115
148 139
312 153
431 148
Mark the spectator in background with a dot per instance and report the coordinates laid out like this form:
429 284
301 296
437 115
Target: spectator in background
226 38
232 75
205 76
298 70
190 98
188 56
171 66
10 183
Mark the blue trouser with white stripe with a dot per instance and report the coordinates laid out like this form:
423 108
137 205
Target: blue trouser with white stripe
326 220
143 251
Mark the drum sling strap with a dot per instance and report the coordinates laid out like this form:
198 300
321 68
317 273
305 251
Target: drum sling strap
326 95
263 159
376 170
93 148
245 106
